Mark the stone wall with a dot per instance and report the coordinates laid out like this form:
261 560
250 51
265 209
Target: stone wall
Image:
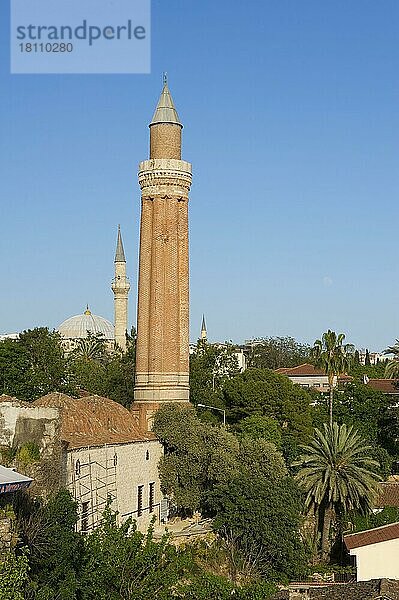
377 589
21 423
7 529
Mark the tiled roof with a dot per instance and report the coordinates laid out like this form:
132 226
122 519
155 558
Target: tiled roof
372 536
6 398
305 370
389 495
93 421
387 386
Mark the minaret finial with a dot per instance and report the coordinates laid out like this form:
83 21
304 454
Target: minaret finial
165 78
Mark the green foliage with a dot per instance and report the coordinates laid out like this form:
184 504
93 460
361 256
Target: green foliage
205 586
392 366
378 519
336 470
211 365
28 453
14 577
337 476
124 564
358 371
7 455
199 456
263 518
208 586
259 426
90 348
275 352
55 549
114 562
334 357
196 456
109 374
260 459
263 392
33 365
370 412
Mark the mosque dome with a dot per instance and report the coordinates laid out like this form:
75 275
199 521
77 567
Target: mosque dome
77 327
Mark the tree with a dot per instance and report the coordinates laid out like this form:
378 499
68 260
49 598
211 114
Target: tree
55 548
90 348
33 365
259 426
367 361
197 455
14 578
334 357
276 352
392 366
211 365
370 413
123 564
98 371
263 517
337 476
263 392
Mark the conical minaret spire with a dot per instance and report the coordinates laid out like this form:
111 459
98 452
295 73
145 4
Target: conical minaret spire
204 334
120 287
162 369
165 111
120 253
165 128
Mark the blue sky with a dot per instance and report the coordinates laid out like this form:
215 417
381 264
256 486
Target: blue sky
291 122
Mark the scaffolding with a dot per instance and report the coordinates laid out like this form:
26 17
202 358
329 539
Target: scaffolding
94 485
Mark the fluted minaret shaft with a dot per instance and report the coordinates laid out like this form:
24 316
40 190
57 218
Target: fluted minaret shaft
162 353
120 287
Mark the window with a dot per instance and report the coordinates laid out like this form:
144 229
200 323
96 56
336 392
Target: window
84 522
140 500
115 459
151 496
147 455
77 467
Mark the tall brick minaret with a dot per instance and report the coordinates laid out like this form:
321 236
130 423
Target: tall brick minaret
162 354
120 286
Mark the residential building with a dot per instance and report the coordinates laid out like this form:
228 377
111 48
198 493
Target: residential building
307 376
376 552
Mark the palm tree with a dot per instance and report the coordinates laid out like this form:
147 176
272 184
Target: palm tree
337 475
392 366
90 348
334 357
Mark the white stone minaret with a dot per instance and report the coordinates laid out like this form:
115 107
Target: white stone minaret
204 335
120 287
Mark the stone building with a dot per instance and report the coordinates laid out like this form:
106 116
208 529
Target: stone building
162 355
91 446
